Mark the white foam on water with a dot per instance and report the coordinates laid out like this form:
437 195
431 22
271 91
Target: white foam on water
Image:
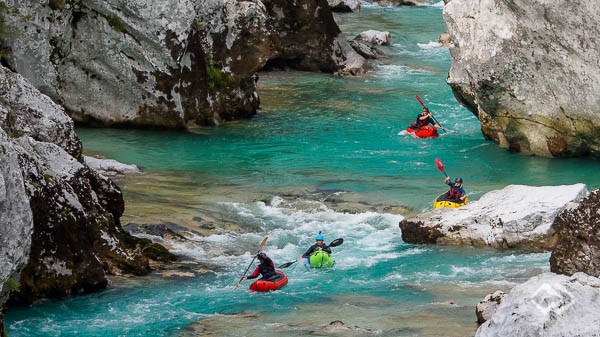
430 45
291 226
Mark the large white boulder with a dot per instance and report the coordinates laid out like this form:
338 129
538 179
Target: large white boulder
530 71
516 216
548 305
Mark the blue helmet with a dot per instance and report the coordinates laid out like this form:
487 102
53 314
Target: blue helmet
319 237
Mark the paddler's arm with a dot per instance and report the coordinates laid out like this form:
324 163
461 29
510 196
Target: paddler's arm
254 275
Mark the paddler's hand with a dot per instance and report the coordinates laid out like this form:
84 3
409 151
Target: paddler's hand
447 179
320 249
244 278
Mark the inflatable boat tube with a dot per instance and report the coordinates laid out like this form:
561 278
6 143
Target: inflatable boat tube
427 131
321 259
444 201
262 285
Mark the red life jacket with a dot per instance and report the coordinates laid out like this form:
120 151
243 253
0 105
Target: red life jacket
455 193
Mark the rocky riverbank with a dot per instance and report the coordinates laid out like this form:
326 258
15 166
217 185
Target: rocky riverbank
189 63
552 304
517 216
61 233
530 71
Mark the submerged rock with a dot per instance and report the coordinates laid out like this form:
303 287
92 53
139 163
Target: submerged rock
517 216
445 39
339 328
175 65
530 71
578 231
110 167
375 37
403 2
548 305
344 5
365 49
77 238
486 308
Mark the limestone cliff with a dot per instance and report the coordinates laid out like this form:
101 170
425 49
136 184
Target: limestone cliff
61 213
578 246
530 71
167 63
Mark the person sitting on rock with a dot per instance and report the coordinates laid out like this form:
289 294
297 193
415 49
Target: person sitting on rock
266 268
425 118
457 192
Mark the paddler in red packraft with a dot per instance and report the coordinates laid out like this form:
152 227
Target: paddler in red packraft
424 119
266 268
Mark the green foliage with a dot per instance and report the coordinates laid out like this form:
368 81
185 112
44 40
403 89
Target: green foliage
48 178
5 30
66 211
199 25
120 26
215 77
12 285
15 134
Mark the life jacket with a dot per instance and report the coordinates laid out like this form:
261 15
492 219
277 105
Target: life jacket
267 269
455 193
421 123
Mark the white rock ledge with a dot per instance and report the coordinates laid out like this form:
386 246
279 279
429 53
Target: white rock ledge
110 166
516 216
548 305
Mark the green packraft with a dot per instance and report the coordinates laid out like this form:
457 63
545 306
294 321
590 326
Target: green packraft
321 259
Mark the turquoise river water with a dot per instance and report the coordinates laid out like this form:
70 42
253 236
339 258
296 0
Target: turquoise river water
316 135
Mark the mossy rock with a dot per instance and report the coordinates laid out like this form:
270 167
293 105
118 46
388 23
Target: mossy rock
157 252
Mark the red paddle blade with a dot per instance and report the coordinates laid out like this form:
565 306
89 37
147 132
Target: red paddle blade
417 96
439 164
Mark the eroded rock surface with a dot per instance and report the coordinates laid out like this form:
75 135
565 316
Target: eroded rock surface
77 238
548 305
110 167
168 64
16 222
344 5
578 230
530 71
516 216
375 37
486 308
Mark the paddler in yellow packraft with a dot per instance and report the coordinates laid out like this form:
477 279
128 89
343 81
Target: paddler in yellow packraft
455 197
317 252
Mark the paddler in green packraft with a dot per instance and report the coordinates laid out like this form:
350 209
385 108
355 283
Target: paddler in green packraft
317 256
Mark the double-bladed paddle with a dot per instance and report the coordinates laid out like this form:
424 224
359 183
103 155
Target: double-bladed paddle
419 99
333 243
257 252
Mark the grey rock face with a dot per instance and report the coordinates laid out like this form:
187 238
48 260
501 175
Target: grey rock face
77 238
524 219
366 49
548 305
344 5
16 222
375 37
578 246
176 64
486 308
530 71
